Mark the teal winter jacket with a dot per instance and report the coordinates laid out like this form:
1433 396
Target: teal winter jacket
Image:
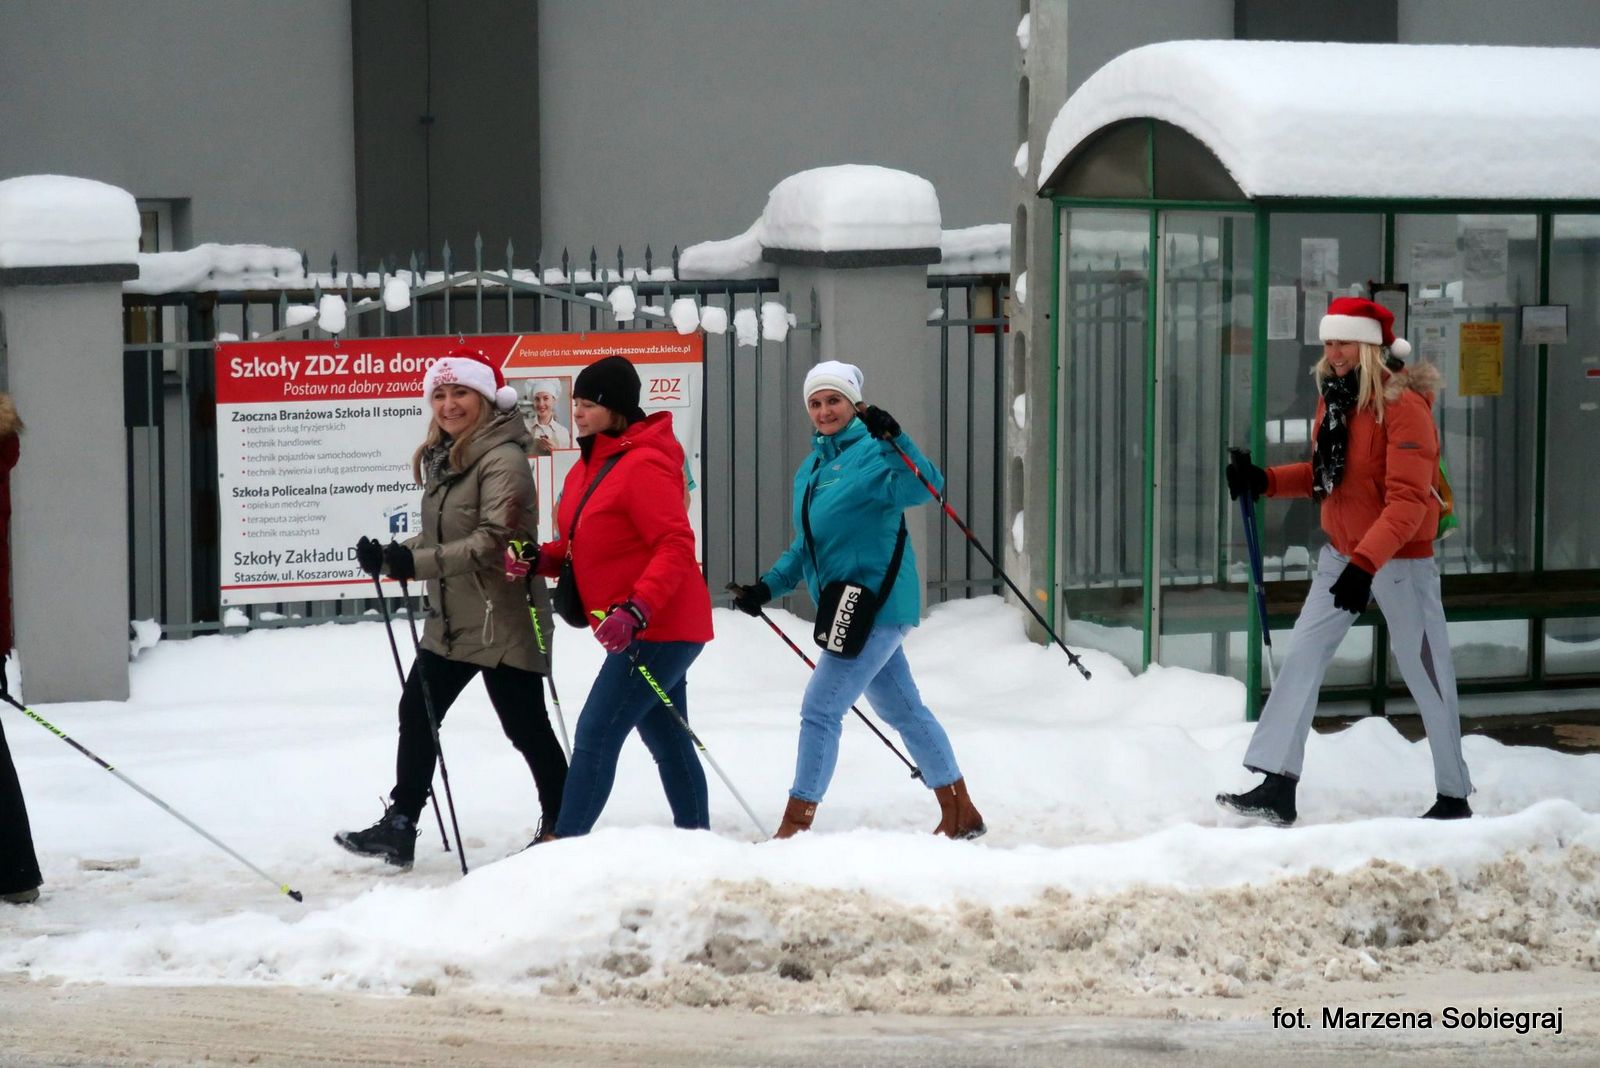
862 487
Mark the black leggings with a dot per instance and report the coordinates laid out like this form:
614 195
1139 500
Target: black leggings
19 867
518 698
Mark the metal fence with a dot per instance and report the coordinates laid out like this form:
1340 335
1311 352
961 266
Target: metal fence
754 432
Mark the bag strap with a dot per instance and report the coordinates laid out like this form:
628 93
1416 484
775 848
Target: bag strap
894 562
811 547
805 514
605 469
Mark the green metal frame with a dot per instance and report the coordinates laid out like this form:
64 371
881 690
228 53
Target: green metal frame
1262 210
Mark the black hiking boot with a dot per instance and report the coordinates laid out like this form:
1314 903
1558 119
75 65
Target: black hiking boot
1272 801
394 838
1449 808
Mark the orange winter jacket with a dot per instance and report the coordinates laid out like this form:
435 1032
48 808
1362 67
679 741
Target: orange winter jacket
1384 507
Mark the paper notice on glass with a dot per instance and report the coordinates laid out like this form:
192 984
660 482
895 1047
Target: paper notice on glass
1319 262
1281 313
1484 258
1433 331
1393 297
1544 324
1434 263
1316 301
1482 359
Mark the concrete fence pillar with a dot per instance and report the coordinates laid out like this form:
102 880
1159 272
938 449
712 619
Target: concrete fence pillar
66 247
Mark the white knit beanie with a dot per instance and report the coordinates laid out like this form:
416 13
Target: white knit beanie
831 374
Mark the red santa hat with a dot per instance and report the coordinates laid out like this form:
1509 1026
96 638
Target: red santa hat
1358 319
465 367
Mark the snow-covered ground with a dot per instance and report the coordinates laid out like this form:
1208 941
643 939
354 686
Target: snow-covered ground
1108 872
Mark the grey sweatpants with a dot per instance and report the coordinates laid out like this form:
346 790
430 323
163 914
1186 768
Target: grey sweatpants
1407 592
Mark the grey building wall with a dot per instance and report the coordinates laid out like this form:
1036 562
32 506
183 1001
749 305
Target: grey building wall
1571 23
240 109
446 128
668 124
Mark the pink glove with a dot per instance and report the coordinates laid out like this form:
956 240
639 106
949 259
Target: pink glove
616 632
521 557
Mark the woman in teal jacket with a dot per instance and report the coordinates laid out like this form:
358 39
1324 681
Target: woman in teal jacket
849 496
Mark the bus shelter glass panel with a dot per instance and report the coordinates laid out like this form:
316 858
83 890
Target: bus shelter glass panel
1572 407
1314 257
1572 497
1466 277
1204 354
1105 276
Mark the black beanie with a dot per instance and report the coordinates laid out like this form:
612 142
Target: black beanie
611 383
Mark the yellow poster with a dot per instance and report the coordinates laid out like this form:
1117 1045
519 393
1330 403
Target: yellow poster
1482 359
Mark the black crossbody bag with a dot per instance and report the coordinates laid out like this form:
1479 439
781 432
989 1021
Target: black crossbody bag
846 610
565 600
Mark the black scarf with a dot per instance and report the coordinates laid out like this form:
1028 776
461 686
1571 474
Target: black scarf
436 461
1339 395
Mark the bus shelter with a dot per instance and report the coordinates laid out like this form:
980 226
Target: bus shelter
1210 198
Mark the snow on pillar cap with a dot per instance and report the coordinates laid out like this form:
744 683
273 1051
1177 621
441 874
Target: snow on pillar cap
1358 319
851 208
465 367
52 220
831 374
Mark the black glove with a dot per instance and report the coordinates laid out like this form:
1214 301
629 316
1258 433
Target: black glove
1244 477
397 560
1352 589
880 424
750 599
369 554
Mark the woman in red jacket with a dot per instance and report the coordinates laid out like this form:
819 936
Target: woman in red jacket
19 866
1374 455
633 559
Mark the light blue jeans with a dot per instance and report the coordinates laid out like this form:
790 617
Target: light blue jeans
881 672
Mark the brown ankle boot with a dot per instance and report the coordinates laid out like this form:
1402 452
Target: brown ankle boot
797 815
958 817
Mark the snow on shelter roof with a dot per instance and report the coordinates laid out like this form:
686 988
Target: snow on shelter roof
1296 119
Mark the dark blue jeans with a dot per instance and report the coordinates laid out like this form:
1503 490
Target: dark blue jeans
620 701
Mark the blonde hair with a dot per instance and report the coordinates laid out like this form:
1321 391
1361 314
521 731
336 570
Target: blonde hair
458 448
1371 368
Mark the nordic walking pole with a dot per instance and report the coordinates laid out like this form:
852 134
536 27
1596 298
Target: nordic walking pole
394 647
1252 541
433 725
644 672
916 772
973 539
550 676
283 887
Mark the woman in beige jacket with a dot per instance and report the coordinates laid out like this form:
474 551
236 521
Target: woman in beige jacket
477 493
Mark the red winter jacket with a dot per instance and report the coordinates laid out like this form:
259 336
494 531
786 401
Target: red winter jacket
10 447
1383 507
633 540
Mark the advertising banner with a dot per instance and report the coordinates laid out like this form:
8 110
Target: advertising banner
315 439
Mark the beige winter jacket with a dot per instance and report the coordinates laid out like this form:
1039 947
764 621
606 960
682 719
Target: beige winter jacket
477 616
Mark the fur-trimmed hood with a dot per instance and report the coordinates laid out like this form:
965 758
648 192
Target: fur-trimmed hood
9 422
1423 378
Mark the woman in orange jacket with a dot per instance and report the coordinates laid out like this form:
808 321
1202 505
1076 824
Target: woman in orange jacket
1375 452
